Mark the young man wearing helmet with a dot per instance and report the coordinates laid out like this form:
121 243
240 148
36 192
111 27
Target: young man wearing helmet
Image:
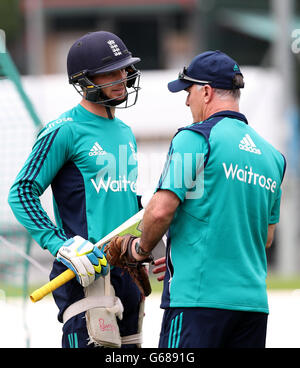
88 156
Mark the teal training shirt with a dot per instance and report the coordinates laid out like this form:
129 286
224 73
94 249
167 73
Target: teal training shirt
90 163
228 180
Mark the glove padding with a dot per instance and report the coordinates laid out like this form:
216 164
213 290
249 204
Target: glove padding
118 253
84 259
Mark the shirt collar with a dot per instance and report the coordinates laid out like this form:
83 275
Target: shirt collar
230 114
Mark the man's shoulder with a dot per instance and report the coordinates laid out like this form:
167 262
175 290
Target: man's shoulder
63 120
187 133
124 125
195 131
188 141
126 129
204 127
264 142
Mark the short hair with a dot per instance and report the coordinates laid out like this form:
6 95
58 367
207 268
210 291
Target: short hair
235 93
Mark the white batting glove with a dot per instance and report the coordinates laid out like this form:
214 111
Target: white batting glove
84 259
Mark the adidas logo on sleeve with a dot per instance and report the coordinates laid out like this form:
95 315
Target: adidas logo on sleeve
97 150
248 145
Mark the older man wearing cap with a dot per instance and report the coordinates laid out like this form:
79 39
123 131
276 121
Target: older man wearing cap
219 199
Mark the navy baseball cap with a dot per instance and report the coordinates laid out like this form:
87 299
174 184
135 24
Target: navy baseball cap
211 67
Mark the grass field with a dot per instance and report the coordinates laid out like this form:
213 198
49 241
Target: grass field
38 322
26 324
274 282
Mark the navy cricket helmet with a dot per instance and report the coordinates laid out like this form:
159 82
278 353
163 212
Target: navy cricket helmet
100 53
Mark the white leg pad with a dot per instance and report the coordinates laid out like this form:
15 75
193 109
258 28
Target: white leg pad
101 308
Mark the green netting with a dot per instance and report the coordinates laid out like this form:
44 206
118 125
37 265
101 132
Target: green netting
18 127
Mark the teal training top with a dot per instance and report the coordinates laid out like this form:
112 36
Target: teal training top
90 163
228 180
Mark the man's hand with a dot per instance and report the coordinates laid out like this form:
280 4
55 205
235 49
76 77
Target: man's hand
161 267
119 253
84 259
271 231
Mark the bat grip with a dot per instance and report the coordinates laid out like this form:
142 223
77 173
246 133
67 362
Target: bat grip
52 285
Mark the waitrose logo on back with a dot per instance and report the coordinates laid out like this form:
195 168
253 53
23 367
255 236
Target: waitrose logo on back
246 175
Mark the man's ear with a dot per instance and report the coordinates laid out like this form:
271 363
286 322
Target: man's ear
208 93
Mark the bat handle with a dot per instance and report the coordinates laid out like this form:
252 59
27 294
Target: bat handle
55 283
52 285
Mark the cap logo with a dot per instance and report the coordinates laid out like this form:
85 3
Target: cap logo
114 47
236 68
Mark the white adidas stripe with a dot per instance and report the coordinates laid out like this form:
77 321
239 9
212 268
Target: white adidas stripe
250 140
96 150
247 140
98 146
247 144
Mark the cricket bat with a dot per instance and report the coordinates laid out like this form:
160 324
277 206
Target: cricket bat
131 226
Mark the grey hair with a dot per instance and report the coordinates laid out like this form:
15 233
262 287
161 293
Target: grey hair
223 94
199 87
235 93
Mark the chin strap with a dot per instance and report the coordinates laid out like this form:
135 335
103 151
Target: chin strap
109 114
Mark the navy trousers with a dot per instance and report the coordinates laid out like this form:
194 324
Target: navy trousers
212 328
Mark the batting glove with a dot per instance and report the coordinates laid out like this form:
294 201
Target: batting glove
84 259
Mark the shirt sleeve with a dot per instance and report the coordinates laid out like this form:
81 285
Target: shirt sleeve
275 212
48 155
183 172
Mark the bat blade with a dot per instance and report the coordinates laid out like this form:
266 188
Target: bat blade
131 226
